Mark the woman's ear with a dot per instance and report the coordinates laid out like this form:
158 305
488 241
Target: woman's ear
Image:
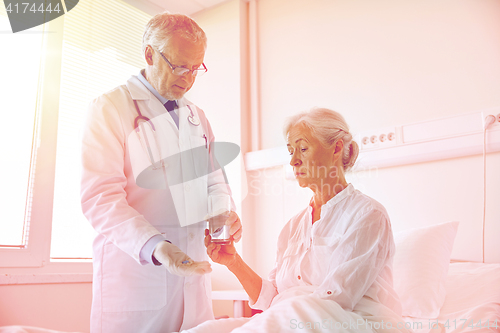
148 55
339 148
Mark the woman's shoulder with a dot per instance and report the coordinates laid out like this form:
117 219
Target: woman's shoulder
362 204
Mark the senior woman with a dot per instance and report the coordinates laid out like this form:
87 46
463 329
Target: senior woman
334 258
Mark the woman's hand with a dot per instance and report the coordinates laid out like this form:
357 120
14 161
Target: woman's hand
226 255
221 254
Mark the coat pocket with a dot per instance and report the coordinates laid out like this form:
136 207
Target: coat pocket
323 247
292 249
199 152
129 286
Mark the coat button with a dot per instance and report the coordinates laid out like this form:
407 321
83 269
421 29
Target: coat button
191 235
328 292
298 277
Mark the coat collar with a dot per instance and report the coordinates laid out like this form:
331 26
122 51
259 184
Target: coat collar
138 90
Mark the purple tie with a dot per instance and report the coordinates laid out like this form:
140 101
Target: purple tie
170 106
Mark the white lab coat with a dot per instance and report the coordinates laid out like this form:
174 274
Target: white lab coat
130 295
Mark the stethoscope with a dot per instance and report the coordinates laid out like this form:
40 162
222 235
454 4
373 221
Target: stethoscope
138 126
192 118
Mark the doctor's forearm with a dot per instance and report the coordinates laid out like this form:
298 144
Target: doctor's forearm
251 281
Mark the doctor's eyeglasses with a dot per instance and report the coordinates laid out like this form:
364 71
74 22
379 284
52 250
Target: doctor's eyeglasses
181 71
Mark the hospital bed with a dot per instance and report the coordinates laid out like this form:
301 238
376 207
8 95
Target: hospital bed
437 295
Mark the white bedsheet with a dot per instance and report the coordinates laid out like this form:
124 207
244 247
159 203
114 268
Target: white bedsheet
472 295
300 313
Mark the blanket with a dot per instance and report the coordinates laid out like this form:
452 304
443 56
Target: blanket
309 313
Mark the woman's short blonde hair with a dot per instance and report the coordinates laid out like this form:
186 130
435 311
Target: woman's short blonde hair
163 26
327 126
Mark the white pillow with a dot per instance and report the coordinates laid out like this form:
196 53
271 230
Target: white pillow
420 268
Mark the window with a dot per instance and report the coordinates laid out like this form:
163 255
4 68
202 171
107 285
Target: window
18 89
55 71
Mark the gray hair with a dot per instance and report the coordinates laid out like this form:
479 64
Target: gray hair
327 126
164 26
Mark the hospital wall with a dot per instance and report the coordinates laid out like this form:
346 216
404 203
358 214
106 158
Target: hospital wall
379 63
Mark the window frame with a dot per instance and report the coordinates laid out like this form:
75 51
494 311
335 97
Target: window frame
32 263
36 252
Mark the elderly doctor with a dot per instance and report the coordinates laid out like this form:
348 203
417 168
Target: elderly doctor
144 189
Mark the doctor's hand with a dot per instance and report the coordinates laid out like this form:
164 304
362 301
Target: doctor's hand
235 226
177 262
221 254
